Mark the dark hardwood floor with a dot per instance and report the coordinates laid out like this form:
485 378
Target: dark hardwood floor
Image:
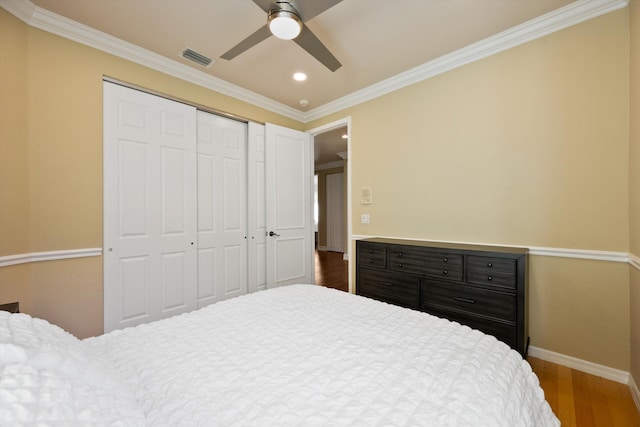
332 270
577 398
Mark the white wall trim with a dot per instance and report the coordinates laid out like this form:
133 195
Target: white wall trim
538 250
581 365
542 251
580 253
45 20
8 260
635 393
572 14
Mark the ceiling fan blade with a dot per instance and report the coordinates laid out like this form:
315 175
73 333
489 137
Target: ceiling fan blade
261 34
309 42
310 8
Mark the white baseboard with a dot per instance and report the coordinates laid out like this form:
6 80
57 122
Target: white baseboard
582 365
634 391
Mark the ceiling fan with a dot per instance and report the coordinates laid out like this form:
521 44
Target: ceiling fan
289 17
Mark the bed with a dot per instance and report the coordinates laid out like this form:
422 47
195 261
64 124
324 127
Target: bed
300 355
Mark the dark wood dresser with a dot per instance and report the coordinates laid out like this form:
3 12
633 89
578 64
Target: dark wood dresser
484 287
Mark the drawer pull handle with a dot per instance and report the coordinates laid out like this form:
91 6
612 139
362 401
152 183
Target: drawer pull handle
469 301
399 254
445 259
490 278
490 264
386 284
400 265
445 272
370 260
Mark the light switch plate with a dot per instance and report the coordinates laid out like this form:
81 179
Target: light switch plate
364 218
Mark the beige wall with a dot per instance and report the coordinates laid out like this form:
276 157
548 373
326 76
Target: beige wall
51 170
527 147
634 186
14 182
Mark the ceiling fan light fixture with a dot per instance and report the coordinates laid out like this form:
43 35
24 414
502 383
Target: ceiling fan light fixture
284 24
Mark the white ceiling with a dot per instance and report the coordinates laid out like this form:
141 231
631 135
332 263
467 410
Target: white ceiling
327 145
382 44
373 39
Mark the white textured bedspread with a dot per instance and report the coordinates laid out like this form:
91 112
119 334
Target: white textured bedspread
305 355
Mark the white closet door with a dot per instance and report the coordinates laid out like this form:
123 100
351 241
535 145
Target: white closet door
335 194
257 269
149 207
222 208
289 201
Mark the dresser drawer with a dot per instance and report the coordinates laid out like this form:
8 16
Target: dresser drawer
502 331
490 271
371 255
389 287
484 302
420 261
491 264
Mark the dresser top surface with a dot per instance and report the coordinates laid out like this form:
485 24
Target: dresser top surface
448 245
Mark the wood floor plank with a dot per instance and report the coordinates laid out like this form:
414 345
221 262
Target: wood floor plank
581 399
551 383
566 407
599 401
331 270
621 404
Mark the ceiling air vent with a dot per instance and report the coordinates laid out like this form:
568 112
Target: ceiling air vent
194 56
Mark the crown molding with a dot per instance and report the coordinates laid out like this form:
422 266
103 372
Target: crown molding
572 14
45 20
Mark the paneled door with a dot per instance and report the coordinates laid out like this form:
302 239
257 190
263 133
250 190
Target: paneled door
222 208
335 212
256 221
289 206
150 207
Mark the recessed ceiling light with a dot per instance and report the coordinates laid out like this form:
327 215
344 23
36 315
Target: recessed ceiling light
300 77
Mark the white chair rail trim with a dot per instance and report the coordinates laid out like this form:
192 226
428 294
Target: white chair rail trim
8 260
533 250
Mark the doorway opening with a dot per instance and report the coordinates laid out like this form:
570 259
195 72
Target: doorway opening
332 205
